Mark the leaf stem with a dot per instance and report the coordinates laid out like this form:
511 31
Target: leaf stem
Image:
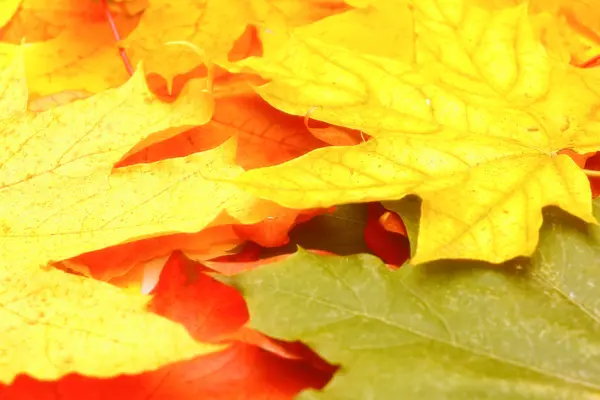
115 31
592 173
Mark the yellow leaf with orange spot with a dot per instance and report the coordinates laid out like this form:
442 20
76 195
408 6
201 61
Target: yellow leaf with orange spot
470 118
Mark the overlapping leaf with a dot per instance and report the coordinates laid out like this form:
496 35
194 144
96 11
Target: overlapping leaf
240 372
54 324
73 39
468 104
60 198
527 331
212 26
79 49
469 116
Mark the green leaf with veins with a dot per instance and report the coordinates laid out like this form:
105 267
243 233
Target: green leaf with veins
528 329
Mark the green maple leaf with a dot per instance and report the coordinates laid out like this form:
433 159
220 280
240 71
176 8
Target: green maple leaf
528 330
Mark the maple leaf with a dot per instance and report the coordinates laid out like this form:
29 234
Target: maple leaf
211 26
418 332
471 121
54 323
79 50
180 296
74 41
62 197
265 136
238 371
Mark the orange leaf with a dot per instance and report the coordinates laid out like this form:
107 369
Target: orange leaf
392 222
593 163
240 372
213 311
207 308
389 245
38 20
266 136
75 42
111 262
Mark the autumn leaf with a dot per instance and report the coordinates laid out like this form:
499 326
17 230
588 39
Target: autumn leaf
250 128
241 371
109 263
74 40
265 136
54 323
79 48
418 332
471 121
212 27
37 21
65 199
180 295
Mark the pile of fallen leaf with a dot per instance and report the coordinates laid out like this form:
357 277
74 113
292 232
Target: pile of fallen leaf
212 199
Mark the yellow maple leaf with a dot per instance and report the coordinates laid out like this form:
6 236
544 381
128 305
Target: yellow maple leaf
54 324
60 195
470 118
